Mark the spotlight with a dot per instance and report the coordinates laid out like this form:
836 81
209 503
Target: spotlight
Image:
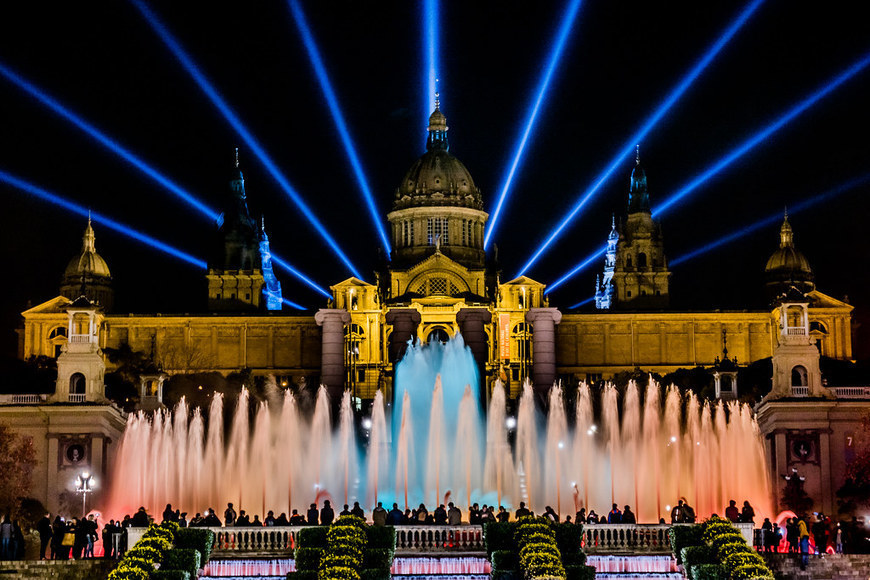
430 52
44 195
567 21
647 126
337 116
771 219
105 140
367 423
738 152
510 422
763 135
236 123
126 154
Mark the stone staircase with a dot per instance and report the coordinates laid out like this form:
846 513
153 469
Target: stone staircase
56 569
828 567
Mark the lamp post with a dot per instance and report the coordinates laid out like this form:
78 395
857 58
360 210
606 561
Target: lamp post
85 484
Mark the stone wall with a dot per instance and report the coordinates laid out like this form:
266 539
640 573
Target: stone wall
58 569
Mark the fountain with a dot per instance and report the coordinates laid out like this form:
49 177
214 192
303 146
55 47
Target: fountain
661 446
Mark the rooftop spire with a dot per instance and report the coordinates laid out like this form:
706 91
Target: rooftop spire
437 128
786 235
88 238
637 154
237 158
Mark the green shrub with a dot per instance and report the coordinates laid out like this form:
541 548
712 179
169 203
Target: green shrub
171 526
330 560
715 527
569 538
381 537
708 572
694 555
505 575
504 560
170 575
682 536
375 574
751 571
160 532
740 559
132 561
303 575
147 553
377 559
159 543
498 536
123 572
724 540
312 537
338 573
200 539
182 559
350 520
727 550
580 572
308 558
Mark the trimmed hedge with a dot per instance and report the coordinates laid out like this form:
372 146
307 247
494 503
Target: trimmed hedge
499 536
569 539
505 560
381 537
302 575
138 563
313 536
694 555
505 575
201 539
682 536
308 559
580 572
170 575
708 572
182 559
375 574
539 554
377 558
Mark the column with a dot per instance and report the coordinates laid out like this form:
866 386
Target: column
332 350
472 322
404 322
544 321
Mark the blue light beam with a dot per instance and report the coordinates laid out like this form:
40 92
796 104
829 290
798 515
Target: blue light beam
104 140
762 135
582 303
115 225
431 49
736 153
283 264
646 127
337 117
772 219
558 46
236 123
134 160
57 200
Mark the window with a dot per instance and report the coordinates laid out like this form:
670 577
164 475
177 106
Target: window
641 260
628 262
437 228
360 375
799 377
59 332
247 296
438 286
725 385
77 384
628 293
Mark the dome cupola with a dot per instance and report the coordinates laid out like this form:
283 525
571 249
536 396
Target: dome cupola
787 270
87 274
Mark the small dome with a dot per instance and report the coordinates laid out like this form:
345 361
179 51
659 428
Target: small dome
89 262
788 271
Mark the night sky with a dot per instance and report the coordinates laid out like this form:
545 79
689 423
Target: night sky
104 61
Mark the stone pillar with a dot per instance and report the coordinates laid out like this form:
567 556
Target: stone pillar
544 321
404 322
472 323
332 350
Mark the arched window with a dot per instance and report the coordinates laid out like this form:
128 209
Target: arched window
628 262
799 377
438 334
77 384
522 336
725 384
641 261
353 336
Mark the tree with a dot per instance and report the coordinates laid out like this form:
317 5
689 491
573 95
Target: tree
17 460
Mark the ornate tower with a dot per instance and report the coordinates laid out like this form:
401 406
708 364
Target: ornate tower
235 281
604 286
88 274
641 277
437 206
272 287
788 273
80 366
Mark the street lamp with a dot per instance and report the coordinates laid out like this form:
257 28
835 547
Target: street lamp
85 484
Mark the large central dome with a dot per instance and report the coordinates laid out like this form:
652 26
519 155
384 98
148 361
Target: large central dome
437 178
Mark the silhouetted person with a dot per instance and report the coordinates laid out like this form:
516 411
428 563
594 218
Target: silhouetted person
313 515
229 515
551 515
44 529
243 520
615 516
379 515
296 519
345 511
454 515
628 516
270 519
357 510
394 518
731 512
326 514
747 515
257 523
504 516
169 513
522 511
440 515
282 521
677 513
211 520
140 519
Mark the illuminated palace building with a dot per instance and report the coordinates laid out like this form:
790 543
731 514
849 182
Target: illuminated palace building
439 283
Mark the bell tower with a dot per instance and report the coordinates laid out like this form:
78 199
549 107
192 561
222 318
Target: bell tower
80 366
